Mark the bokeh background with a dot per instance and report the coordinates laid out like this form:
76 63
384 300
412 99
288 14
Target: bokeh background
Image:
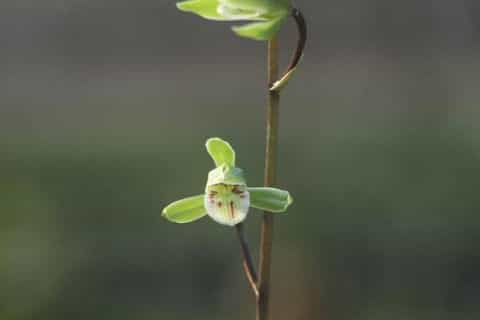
104 109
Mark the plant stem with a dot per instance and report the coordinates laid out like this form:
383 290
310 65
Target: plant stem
263 299
248 264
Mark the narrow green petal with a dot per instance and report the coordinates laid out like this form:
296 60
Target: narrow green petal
221 152
207 9
185 210
270 199
260 30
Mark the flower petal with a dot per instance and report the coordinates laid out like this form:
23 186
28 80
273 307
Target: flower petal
227 204
260 30
207 9
185 210
221 152
270 199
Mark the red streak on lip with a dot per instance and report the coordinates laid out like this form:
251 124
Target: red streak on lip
232 210
236 189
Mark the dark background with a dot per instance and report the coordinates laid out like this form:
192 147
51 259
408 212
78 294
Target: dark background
104 110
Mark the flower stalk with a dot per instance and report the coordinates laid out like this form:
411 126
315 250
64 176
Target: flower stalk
248 264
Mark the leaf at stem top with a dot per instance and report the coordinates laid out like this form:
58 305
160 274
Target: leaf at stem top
221 152
270 199
185 210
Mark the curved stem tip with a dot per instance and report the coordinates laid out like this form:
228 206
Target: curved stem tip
297 55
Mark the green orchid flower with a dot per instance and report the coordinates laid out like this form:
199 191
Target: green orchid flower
268 15
227 197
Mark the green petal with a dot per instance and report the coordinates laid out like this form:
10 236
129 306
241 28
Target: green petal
260 30
207 9
221 152
185 210
270 199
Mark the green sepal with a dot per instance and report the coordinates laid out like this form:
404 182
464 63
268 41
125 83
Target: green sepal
270 199
226 175
185 210
221 152
264 30
207 9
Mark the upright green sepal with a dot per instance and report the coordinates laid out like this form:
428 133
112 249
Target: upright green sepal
185 210
270 199
221 152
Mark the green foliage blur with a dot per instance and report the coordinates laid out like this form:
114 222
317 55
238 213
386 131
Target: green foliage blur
103 117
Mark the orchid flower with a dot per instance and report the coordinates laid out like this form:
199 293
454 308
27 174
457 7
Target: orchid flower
227 198
267 16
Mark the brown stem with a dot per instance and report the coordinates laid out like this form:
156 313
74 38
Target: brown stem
248 264
263 300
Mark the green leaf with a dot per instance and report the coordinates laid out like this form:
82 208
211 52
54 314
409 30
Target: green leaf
270 199
221 152
185 210
207 9
260 30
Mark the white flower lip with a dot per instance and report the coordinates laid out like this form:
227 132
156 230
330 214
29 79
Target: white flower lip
227 204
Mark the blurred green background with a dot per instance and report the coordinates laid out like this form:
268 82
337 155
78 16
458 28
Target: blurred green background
104 110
